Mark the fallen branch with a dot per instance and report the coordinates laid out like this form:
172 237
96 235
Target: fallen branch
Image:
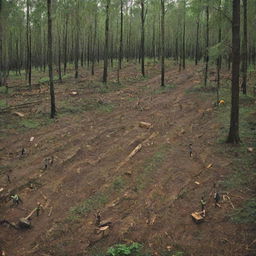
50 212
135 151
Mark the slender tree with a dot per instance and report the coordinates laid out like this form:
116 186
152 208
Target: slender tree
244 49
77 39
184 36
233 136
29 40
120 57
219 57
50 58
1 45
142 46
162 42
105 71
207 45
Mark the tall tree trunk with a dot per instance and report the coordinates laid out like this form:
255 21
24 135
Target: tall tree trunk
184 37
142 51
197 40
245 50
105 71
50 61
207 45
94 43
66 44
28 32
121 42
1 45
219 57
59 58
233 136
77 40
162 41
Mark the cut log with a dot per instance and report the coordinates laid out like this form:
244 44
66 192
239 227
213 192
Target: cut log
145 125
19 114
197 217
24 223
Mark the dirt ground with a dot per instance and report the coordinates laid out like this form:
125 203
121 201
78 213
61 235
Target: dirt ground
148 198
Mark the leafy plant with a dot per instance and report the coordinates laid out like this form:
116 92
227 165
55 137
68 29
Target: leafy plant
124 249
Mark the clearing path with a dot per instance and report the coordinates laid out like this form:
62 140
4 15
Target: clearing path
148 197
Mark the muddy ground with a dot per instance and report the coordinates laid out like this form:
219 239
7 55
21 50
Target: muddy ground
148 198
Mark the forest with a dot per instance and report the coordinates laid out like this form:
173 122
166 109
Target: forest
127 127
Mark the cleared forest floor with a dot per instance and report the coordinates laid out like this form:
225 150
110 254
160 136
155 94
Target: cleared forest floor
149 197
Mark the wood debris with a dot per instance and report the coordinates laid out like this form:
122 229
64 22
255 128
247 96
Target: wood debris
145 125
197 183
209 166
250 149
135 151
19 114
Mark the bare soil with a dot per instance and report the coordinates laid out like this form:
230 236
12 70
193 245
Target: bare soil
148 198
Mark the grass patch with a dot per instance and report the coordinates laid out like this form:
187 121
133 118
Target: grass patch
243 175
88 205
199 88
164 89
118 184
29 123
66 107
2 103
246 214
150 165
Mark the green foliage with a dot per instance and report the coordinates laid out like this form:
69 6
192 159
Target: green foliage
2 103
88 205
150 165
29 123
246 214
123 249
164 89
118 183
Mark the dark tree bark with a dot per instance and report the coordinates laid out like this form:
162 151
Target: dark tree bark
220 57
59 57
94 43
184 37
207 45
29 65
66 44
233 136
197 39
77 40
245 50
1 46
162 42
142 50
50 59
120 57
105 71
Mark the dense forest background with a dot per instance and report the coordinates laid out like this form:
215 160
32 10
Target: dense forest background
193 29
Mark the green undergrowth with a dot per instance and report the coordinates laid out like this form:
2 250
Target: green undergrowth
2 104
153 163
243 175
25 123
164 89
45 79
68 107
92 203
